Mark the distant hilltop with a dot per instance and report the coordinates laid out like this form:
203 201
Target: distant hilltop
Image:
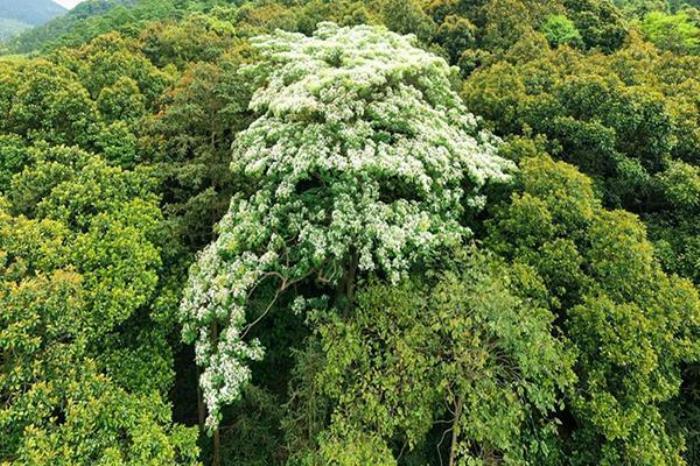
16 17
87 19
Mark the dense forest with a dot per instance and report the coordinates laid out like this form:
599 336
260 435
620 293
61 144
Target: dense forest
352 233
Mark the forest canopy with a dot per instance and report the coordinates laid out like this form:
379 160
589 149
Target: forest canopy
340 232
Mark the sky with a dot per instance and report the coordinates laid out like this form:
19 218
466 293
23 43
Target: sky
68 3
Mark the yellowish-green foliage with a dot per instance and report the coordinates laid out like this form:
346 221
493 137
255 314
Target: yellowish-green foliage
472 351
678 33
631 325
79 258
560 30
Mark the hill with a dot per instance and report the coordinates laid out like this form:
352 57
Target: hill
11 27
16 17
95 17
32 12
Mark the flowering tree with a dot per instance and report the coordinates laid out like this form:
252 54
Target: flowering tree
362 160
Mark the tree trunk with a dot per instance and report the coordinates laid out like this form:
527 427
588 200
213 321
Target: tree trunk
216 452
345 292
455 432
216 460
201 409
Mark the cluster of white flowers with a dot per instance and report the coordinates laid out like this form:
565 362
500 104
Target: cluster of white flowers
361 147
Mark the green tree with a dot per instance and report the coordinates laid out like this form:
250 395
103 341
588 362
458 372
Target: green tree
455 35
342 12
677 33
560 30
600 23
107 60
617 132
80 257
407 17
195 38
471 353
632 325
189 141
630 120
44 101
13 157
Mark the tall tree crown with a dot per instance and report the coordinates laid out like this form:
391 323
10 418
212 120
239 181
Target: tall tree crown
362 159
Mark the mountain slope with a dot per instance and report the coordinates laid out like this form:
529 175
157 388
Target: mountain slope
11 27
94 17
32 12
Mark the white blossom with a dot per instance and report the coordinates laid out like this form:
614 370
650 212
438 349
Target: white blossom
361 147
